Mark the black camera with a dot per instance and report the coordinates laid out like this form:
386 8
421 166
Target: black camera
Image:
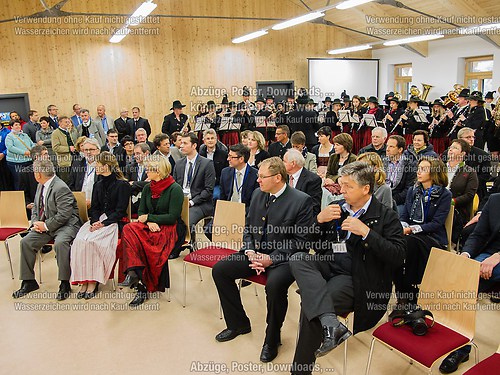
415 319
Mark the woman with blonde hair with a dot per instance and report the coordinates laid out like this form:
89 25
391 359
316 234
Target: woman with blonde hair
148 242
381 190
257 145
93 251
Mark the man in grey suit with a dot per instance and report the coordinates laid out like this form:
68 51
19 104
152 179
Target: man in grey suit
91 128
196 175
107 122
54 217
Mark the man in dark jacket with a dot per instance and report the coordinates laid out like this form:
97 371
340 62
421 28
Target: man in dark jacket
379 135
358 244
175 121
219 157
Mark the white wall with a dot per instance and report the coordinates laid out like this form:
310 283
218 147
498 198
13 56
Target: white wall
442 68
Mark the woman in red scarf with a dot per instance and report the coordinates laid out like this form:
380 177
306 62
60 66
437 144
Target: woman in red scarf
148 242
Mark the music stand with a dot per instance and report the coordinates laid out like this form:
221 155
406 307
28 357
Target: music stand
369 120
346 117
227 123
201 125
260 121
420 116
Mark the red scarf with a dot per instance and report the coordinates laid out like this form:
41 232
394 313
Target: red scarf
157 187
372 111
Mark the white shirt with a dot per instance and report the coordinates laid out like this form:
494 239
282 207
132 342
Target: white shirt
347 207
88 180
210 154
296 177
45 189
451 172
185 187
236 196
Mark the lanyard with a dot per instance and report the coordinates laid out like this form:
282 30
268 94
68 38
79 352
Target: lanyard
238 188
92 169
357 214
427 204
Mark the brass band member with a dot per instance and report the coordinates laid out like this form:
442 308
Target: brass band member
459 113
392 117
410 125
357 112
478 118
439 126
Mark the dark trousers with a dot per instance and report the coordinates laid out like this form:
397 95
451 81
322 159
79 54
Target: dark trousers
322 290
279 279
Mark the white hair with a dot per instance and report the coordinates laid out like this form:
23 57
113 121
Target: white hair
293 155
381 130
92 141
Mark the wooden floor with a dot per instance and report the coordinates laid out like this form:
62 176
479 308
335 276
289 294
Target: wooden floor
104 336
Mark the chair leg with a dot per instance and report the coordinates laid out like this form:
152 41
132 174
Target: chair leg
184 287
370 357
199 273
39 253
8 257
345 358
168 294
113 284
476 352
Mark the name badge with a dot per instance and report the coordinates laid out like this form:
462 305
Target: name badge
339 247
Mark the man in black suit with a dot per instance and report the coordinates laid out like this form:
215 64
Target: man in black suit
139 122
305 121
274 231
32 126
302 179
175 121
113 145
283 142
137 174
162 144
52 110
142 137
123 125
239 180
218 155
82 175
357 245
196 175
483 245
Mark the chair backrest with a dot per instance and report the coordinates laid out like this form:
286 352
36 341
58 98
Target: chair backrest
13 210
498 350
475 206
228 225
449 225
449 290
185 218
81 201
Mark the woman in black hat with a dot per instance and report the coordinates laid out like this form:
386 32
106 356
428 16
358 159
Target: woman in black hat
357 111
365 132
410 125
230 137
392 117
439 126
261 111
479 119
332 118
175 121
488 101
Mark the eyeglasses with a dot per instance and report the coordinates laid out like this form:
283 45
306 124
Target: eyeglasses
128 144
233 157
89 149
262 177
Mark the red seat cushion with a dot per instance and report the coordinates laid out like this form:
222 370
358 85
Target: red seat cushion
208 256
438 341
489 365
6 232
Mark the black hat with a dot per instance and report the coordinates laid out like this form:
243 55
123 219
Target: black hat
362 99
346 98
438 102
260 99
476 95
177 104
393 99
211 103
373 99
232 104
464 93
270 97
489 95
311 101
224 99
327 99
246 91
337 101
303 99
290 95
415 99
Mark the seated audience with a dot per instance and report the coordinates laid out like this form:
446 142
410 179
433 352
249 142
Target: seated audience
55 218
420 147
27 182
136 175
93 252
83 172
298 141
142 137
128 147
148 242
282 143
256 144
352 274
379 135
175 144
162 144
323 150
213 152
426 208
18 146
381 190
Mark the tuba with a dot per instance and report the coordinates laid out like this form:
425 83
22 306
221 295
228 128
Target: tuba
496 117
425 91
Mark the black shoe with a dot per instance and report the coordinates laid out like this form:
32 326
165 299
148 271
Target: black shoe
27 286
46 249
140 297
89 295
80 295
131 281
229 334
332 337
64 291
268 353
173 256
450 364
495 299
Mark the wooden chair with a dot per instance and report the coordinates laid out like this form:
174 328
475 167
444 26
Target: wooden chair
449 290
475 206
13 219
227 237
489 365
449 226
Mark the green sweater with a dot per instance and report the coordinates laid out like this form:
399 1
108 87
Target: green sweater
168 207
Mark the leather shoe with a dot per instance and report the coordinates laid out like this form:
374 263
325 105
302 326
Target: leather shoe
173 256
450 364
140 297
130 281
27 286
332 337
92 294
229 334
495 299
64 291
268 353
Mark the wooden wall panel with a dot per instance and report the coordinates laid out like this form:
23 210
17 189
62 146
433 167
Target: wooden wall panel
152 71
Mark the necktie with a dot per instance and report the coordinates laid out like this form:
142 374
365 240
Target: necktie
41 206
237 192
291 182
190 174
270 200
239 178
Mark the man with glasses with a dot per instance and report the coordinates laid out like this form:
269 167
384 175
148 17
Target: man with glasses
283 142
276 228
137 174
82 175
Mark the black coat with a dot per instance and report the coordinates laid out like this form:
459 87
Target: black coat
310 183
171 124
220 161
249 185
77 174
305 121
277 149
123 128
138 182
287 216
120 155
373 261
111 197
140 123
407 180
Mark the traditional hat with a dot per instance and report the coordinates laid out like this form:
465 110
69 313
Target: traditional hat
373 99
489 95
327 99
464 93
476 95
337 101
260 99
177 104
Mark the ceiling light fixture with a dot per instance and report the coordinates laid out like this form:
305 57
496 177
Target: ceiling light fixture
351 3
142 12
250 36
349 49
298 20
415 39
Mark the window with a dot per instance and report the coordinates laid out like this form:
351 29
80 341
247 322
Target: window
479 73
403 75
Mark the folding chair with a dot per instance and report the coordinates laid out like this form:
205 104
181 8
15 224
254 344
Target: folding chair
475 206
449 290
13 219
489 365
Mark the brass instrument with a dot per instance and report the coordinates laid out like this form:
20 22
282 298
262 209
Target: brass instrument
425 91
452 95
186 127
496 116
414 91
398 96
